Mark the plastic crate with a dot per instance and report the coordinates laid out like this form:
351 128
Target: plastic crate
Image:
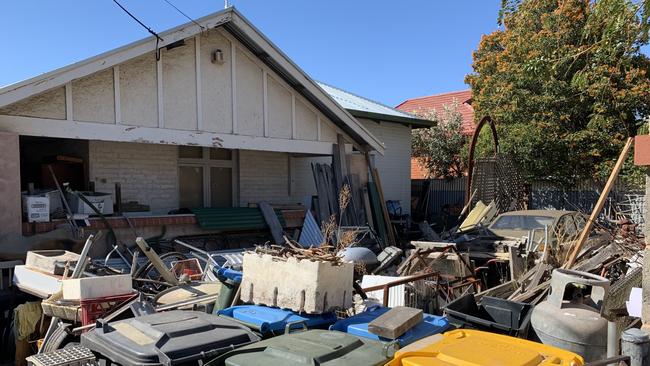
190 267
491 314
93 309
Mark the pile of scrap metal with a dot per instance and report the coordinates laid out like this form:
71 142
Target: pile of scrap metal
332 297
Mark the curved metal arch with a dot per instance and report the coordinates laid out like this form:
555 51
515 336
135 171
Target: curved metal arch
472 147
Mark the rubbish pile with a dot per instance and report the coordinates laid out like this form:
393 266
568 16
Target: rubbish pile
550 287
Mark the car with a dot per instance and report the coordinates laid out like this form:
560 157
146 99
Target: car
560 226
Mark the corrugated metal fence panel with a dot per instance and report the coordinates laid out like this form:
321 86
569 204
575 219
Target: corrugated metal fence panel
583 196
442 192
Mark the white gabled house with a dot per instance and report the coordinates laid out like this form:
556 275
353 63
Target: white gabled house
213 115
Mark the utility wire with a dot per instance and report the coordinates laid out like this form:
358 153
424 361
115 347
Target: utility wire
185 15
158 38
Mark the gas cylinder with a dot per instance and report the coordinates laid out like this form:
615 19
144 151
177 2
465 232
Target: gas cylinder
571 317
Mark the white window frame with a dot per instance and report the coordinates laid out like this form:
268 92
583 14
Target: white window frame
206 163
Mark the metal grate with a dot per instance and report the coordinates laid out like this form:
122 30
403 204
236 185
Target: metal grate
70 356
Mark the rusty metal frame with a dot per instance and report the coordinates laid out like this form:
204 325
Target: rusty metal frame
472 147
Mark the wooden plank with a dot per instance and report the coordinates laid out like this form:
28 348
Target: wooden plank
516 263
332 192
357 194
323 205
395 322
340 146
600 204
382 204
272 220
366 207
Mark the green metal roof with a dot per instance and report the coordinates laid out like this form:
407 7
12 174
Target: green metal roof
233 219
361 107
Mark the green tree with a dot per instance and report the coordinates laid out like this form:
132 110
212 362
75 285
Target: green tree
566 83
440 148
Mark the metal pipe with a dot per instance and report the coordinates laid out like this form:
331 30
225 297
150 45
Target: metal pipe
612 339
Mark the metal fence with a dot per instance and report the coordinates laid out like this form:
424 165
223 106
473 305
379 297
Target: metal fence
622 201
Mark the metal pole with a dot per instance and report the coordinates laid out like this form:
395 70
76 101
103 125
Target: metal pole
612 339
635 344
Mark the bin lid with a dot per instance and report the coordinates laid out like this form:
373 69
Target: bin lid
268 319
358 325
312 347
471 347
167 338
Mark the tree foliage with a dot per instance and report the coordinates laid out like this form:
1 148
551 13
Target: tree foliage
440 148
566 83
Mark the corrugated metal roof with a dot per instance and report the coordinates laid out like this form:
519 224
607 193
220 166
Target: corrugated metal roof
310 234
355 103
233 219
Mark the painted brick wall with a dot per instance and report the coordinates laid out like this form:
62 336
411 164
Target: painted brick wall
148 173
264 176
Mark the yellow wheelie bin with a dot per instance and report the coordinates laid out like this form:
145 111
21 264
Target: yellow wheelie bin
465 347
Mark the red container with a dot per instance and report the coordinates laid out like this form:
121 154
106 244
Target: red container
93 309
190 267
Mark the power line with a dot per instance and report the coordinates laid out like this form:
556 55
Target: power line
185 15
158 38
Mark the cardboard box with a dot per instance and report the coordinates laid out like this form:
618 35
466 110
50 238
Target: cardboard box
36 208
103 202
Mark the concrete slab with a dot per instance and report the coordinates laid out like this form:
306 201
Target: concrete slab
312 287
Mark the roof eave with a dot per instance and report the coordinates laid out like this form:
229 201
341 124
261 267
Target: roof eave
414 122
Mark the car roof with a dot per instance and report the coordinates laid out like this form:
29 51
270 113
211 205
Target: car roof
547 213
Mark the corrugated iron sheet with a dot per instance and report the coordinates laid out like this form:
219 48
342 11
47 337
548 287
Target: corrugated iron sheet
310 235
233 219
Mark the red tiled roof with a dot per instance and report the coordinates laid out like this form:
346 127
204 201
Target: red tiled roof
418 171
423 104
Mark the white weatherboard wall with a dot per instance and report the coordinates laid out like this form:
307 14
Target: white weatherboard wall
148 173
182 99
395 165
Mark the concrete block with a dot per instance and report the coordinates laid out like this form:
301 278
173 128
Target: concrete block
94 287
312 287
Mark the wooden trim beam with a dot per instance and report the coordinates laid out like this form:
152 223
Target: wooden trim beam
46 127
159 88
265 102
293 116
199 101
68 102
116 94
233 84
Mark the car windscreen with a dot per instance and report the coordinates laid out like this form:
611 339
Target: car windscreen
521 222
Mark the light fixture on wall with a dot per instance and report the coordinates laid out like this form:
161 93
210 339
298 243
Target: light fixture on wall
217 57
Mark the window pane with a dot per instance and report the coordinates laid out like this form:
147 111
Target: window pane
190 152
220 187
220 154
190 180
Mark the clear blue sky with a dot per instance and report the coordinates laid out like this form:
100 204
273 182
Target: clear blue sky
386 50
